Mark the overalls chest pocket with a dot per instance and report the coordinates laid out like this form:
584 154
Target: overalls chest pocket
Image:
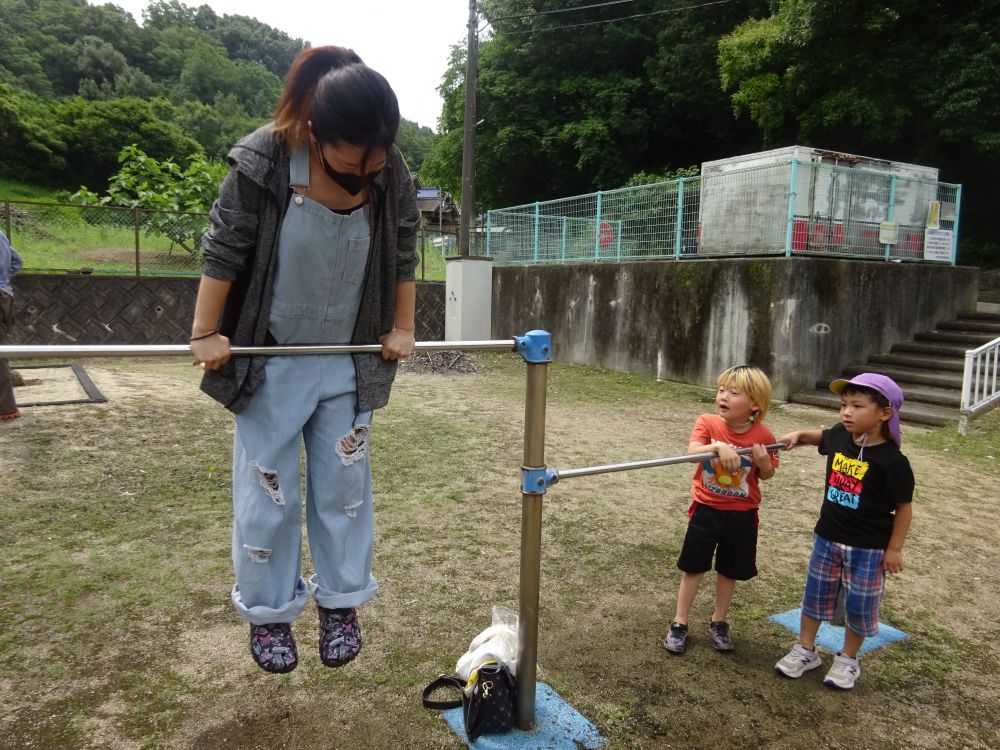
356 260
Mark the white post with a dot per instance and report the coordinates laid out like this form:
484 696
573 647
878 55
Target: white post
468 310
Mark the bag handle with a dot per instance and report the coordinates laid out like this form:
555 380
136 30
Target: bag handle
442 681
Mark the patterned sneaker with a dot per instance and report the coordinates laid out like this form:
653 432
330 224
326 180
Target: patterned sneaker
273 647
676 640
797 662
843 674
721 640
339 636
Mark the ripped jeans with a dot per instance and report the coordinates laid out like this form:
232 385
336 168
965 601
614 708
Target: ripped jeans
308 398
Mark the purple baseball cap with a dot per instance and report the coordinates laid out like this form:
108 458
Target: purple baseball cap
884 385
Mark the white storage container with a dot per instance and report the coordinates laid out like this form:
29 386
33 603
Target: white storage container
841 201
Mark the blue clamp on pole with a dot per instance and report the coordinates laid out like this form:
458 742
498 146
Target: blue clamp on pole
536 481
535 346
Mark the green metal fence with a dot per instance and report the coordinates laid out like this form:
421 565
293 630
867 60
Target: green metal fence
790 208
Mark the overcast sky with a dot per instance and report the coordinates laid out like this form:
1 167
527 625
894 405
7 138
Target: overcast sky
407 41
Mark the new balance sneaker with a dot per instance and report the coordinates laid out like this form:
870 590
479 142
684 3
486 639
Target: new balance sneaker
339 636
843 674
273 647
797 662
721 640
676 640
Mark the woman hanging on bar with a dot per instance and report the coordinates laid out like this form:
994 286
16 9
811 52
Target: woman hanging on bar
312 241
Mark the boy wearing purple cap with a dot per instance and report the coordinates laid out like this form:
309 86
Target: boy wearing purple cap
862 524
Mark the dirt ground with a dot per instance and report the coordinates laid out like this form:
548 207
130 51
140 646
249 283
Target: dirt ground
448 515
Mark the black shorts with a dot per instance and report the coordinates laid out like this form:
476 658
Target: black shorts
731 535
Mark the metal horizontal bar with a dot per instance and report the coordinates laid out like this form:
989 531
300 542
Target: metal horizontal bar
689 458
171 350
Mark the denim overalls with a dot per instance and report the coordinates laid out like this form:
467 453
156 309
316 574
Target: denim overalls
322 257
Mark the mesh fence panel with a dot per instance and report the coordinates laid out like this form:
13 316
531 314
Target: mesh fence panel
801 208
104 239
744 211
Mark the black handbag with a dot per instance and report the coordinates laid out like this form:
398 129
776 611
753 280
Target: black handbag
489 707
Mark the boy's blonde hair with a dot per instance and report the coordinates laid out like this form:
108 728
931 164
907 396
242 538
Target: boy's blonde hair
753 382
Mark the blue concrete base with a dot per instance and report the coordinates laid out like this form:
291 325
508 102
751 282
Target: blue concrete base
557 726
831 637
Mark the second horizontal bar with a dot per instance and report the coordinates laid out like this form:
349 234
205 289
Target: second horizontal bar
648 464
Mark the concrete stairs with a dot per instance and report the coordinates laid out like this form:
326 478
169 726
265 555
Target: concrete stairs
928 369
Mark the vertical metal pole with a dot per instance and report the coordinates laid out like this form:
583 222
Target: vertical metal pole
531 545
618 243
135 221
562 254
791 206
469 133
679 234
489 231
597 229
890 213
954 226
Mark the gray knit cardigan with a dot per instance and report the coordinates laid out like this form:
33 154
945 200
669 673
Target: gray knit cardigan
241 245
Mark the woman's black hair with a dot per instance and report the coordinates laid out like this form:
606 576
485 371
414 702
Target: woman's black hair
346 101
354 104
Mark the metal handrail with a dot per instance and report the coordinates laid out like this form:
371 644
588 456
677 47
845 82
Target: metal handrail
980 382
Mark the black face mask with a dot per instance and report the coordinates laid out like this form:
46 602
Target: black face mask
352 183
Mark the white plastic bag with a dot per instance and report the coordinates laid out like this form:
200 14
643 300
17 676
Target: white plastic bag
498 643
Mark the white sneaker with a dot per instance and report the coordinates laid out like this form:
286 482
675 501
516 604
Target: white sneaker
843 674
797 662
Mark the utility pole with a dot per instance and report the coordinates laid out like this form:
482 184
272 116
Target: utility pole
469 139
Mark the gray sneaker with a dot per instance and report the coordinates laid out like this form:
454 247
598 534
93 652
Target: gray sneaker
721 640
843 674
676 640
797 662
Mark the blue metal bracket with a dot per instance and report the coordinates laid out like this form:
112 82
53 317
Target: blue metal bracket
536 481
535 346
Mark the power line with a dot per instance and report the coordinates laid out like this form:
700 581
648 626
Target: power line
559 10
616 20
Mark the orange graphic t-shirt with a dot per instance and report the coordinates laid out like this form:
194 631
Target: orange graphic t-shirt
713 485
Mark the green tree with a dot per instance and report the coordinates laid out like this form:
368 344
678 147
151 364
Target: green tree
30 149
165 187
415 142
95 132
571 110
912 81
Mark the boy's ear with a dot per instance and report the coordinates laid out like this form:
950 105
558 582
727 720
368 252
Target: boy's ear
886 413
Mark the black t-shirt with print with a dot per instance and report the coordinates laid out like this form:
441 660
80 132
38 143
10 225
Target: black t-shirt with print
860 497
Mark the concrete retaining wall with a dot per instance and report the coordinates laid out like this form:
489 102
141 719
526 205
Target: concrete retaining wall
798 318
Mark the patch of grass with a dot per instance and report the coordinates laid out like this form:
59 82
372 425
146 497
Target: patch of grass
929 651
432 263
22 191
575 384
982 442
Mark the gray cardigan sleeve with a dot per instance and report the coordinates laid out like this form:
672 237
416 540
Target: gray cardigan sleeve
409 220
231 239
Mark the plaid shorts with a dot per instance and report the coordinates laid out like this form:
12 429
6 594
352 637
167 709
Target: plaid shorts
858 570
